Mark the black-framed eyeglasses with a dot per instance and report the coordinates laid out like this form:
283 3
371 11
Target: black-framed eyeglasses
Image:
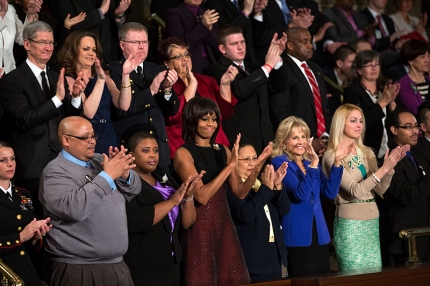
137 43
370 66
181 56
44 43
249 160
86 139
410 127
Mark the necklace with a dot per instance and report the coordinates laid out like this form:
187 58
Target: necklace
355 160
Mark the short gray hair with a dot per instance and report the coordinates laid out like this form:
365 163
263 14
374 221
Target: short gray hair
131 26
36 26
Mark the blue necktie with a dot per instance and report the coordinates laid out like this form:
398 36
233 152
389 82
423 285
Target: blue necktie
235 3
286 12
89 165
410 155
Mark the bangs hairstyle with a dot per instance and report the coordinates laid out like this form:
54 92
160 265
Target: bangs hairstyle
136 138
285 130
69 52
362 59
411 50
5 144
167 45
195 110
336 133
227 30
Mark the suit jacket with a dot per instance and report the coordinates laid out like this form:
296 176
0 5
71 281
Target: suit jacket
409 200
14 216
150 246
423 149
146 112
182 23
105 28
228 14
32 120
207 88
252 226
299 99
252 91
382 43
304 192
336 98
373 114
342 30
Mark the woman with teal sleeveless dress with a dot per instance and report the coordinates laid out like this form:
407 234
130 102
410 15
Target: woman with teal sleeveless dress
356 224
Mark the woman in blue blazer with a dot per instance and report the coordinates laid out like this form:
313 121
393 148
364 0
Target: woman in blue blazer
305 230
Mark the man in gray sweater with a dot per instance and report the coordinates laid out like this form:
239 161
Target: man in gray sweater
84 194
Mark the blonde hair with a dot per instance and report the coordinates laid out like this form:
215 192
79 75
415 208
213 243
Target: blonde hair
285 130
336 134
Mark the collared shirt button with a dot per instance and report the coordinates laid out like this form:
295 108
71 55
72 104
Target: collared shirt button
18 217
19 228
150 119
0 244
17 241
150 132
22 253
149 105
131 81
8 243
132 91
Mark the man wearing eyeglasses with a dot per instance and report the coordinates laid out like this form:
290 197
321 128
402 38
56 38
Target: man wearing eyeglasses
152 93
84 193
409 193
35 99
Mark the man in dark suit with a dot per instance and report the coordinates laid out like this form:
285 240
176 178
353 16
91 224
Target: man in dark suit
303 98
409 191
102 18
152 93
423 144
252 88
34 104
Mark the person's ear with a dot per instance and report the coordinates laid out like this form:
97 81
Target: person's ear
393 130
221 48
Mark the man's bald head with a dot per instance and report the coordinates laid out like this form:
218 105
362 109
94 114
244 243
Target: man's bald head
76 135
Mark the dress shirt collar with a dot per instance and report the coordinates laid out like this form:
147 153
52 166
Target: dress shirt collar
428 139
374 13
36 71
73 159
297 61
8 190
240 64
139 65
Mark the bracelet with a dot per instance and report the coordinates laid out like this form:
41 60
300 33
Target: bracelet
120 17
67 27
312 167
125 86
271 68
189 200
282 186
376 178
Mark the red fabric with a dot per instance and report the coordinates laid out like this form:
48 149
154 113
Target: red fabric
317 100
207 88
381 28
414 36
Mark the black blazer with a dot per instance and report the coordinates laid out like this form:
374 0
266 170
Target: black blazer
299 97
382 43
423 148
33 120
373 115
146 111
14 216
336 98
409 200
252 226
252 91
149 245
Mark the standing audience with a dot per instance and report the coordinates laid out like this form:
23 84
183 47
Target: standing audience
84 193
356 225
305 230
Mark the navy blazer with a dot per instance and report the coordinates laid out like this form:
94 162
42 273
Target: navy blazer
304 192
252 225
146 112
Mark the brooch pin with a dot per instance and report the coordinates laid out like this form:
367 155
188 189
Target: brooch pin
414 88
164 179
216 147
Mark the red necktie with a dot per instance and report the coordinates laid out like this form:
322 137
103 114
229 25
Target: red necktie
317 100
381 28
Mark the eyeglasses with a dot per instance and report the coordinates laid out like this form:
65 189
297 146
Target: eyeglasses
137 43
370 66
44 43
86 139
249 160
181 56
410 127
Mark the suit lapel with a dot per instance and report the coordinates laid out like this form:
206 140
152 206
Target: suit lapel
151 191
15 204
32 81
342 18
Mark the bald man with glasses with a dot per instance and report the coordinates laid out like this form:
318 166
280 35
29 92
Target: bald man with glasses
84 193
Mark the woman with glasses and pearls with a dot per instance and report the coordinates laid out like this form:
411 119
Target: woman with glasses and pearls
212 252
174 54
305 229
367 87
415 86
257 217
356 224
80 56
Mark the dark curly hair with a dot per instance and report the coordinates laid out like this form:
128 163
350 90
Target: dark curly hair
69 52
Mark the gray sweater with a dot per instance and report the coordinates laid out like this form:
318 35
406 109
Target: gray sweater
89 220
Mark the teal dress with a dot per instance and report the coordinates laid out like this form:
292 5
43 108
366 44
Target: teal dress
357 241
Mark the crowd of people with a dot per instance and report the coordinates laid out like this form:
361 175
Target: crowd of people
212 166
